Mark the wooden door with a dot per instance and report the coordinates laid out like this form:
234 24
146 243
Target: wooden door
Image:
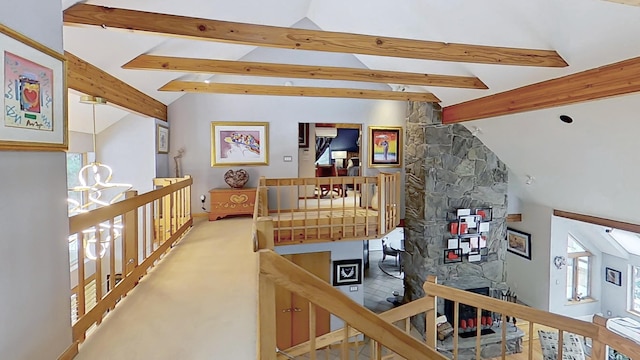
292 311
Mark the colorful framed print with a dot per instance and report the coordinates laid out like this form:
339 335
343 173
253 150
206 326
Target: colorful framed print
239 143
519 243
347 272
613 276
385 146
34 95
452 256
162 139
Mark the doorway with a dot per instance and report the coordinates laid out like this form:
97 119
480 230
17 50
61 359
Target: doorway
292 311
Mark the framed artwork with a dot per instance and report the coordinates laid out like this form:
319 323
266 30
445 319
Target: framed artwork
239 143
162 139
303 135
34 95
385 146
452 256
347 272
613 276
519 243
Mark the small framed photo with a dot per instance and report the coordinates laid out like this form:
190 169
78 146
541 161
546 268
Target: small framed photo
239 143
303 135
347 272
519 243
613 276
385 146
162 139
452 256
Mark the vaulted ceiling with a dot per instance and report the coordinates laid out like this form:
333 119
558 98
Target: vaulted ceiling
566 160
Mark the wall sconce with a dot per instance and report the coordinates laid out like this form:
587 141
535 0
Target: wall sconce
559 262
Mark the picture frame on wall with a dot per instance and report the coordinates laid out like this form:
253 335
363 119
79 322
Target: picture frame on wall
519 243
613 276
239 143
303 135
347 272
385 146
162 139
34 95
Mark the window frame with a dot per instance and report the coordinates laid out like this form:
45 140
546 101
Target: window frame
634 282
575 268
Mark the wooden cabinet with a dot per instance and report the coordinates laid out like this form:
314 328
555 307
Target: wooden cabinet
231 202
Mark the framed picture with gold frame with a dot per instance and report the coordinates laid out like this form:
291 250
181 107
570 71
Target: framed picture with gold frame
34 95
385 146
239 143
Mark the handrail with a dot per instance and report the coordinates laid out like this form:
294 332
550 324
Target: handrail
597 330
297 280
142 228
401 312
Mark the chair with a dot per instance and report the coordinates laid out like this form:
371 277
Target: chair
328 171
386 250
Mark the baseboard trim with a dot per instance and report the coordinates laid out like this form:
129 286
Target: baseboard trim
200 214
70 353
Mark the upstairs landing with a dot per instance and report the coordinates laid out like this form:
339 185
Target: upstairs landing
198 303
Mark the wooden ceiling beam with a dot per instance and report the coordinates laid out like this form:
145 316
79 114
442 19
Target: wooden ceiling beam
615 224
244 89
610 80
90 80
155 62
289 38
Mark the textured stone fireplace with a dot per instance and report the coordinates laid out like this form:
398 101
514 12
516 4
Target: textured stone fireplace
447 168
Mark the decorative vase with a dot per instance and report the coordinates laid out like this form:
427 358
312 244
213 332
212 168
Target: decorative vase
236 179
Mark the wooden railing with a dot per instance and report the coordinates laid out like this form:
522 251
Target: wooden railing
117 244
276 270
369 212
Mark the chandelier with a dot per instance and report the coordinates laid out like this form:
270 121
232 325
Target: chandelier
98 190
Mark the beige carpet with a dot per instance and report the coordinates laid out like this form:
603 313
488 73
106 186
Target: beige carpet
198 303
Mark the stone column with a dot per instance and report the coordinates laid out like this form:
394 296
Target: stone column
448 168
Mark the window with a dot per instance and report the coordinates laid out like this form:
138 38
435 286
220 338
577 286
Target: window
75 162
635 289
578 270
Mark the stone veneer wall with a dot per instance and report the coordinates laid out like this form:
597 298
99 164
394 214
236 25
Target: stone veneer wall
448 168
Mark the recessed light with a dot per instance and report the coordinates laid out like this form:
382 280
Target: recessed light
566 119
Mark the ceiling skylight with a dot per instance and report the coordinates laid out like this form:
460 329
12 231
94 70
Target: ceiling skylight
628 240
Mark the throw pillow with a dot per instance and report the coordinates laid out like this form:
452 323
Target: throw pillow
571 346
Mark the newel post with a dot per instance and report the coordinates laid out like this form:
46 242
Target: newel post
430 331
264 227
597 347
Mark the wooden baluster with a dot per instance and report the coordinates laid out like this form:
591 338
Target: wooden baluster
343 185
294 197
306 234
267 323
530 340
312 331
98 261
112 256
430 318
378 351
345 342
144 231
81 292
503 325
331 208
355 207
478 331
279 238
407 325
456 328
366 189
560 343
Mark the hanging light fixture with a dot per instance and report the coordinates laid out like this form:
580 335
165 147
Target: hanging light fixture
95 180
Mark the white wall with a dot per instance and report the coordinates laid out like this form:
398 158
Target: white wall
530 278
80 142
614 298
192 114
129 148
339 251
34 263
560 230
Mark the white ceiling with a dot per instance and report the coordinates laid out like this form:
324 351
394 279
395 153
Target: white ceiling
585 167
